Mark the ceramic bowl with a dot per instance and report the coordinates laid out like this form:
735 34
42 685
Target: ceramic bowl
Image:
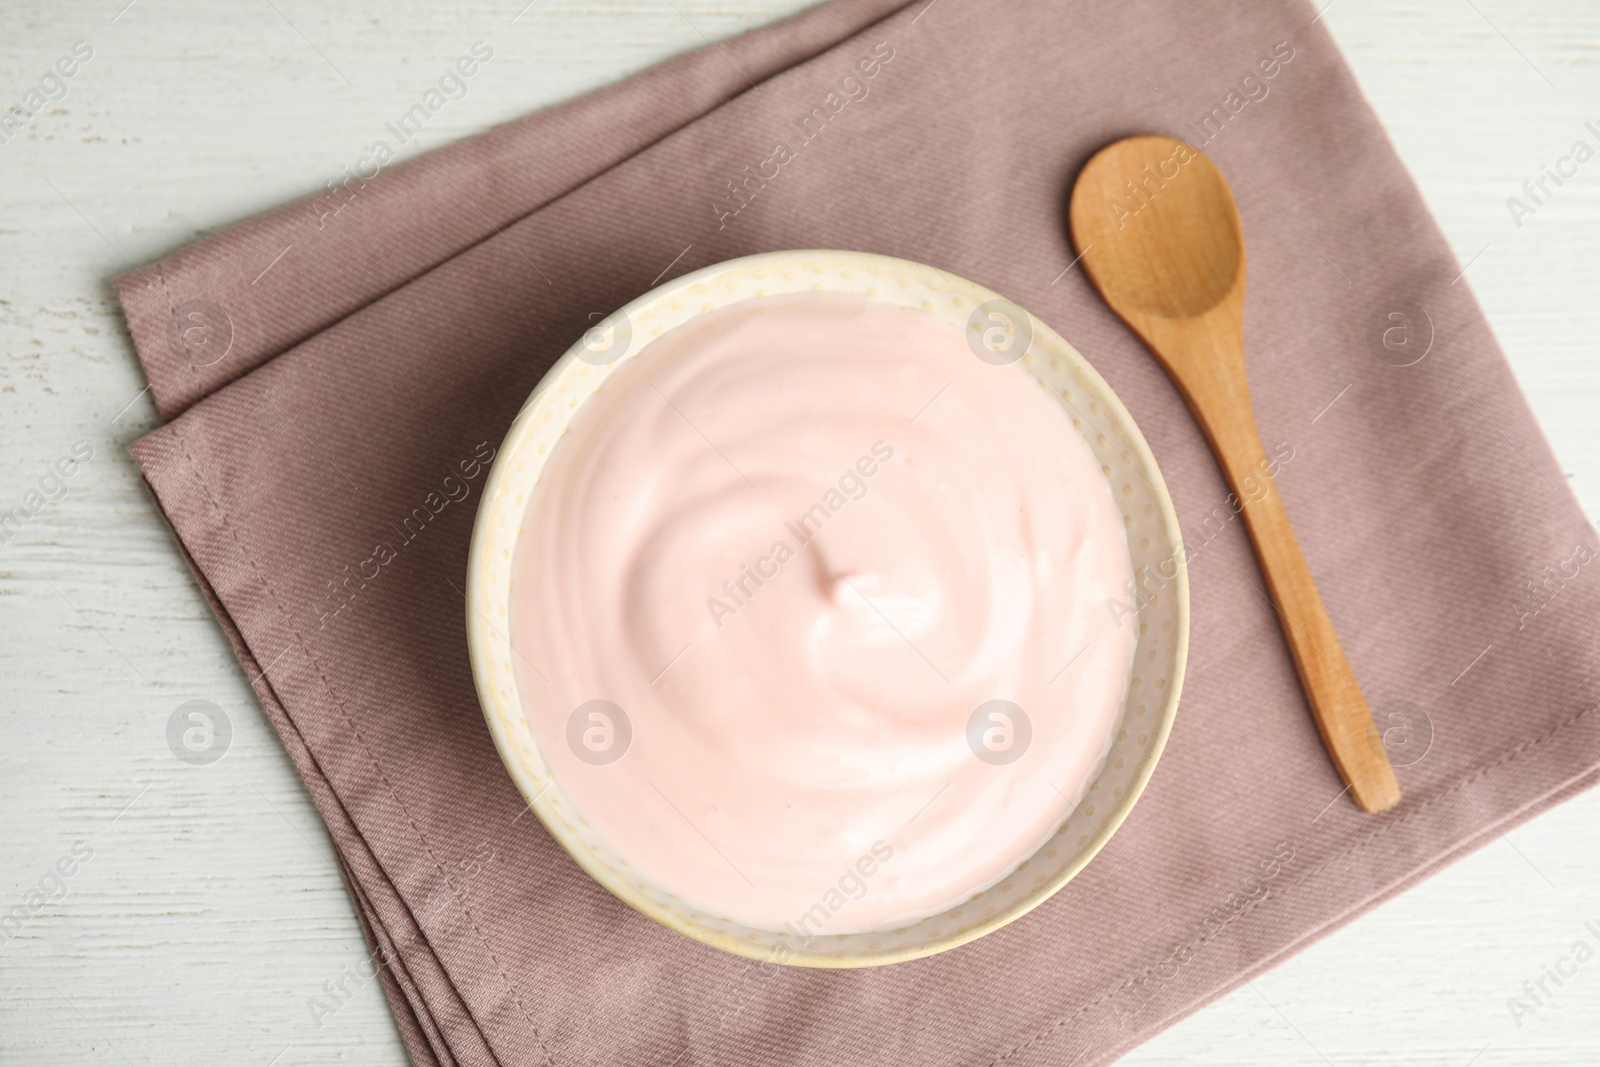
1153 541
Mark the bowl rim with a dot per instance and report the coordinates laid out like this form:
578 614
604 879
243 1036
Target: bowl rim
482 634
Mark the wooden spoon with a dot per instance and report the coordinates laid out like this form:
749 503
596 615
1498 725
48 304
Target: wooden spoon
1156 227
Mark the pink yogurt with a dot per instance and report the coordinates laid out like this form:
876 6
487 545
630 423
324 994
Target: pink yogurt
771 582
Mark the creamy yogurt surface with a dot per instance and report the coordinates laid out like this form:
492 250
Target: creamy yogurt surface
810 613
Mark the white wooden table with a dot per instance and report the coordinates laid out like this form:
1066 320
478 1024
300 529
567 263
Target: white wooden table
210 912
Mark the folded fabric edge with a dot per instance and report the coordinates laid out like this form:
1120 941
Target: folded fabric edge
427 1043
419 1032
176 304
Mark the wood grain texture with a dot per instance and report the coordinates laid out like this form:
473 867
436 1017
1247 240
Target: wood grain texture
1155 224
210 912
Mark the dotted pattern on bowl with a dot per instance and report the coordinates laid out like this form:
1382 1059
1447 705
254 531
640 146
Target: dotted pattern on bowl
1153 541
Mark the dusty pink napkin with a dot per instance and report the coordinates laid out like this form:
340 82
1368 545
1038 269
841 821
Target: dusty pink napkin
356 358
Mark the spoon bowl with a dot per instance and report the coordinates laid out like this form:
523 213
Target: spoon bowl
1152 200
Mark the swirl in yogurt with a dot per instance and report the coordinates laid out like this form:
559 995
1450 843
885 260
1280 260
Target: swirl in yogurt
848 586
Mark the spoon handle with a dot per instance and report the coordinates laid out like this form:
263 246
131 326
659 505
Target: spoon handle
1330 685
